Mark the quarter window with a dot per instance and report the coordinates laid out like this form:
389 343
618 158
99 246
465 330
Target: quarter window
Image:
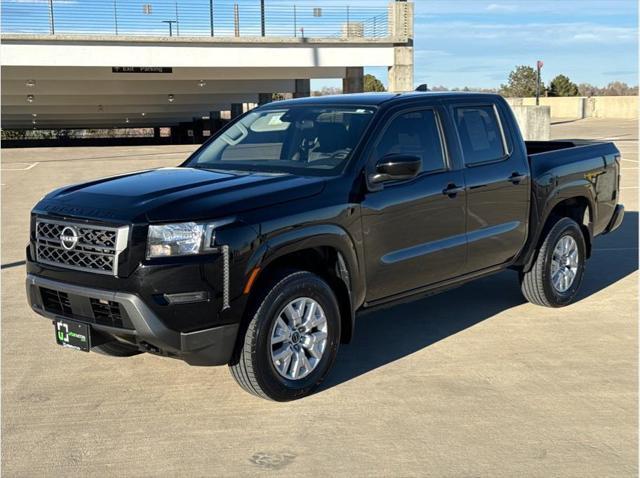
480 134
415 133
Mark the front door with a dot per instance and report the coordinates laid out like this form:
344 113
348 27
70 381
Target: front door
414 230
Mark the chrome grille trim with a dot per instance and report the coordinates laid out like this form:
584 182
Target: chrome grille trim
97 250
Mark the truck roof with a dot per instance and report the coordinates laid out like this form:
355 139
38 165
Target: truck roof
375 99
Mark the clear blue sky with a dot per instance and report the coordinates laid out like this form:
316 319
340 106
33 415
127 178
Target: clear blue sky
478 42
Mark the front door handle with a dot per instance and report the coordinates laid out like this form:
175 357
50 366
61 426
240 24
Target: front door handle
516 178
452 190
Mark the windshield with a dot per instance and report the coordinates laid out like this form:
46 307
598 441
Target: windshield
302 140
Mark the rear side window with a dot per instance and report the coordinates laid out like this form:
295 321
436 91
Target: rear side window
415 133
480 134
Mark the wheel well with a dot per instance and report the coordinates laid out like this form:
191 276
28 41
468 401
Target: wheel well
325 262
576 208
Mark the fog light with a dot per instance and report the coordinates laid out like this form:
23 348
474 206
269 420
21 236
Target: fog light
187 297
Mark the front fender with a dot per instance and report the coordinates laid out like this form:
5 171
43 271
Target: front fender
309 237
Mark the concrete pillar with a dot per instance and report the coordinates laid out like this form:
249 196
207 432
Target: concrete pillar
401 73
401 20
583 108
183 133
196 125
264 98
236 109
401 28
214 122
534 122
353 82
303 88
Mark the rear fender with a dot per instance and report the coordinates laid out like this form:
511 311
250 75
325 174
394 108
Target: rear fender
571 190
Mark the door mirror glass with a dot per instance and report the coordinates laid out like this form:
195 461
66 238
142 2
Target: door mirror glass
396 167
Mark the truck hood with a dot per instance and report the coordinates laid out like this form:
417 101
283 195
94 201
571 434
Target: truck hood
177 194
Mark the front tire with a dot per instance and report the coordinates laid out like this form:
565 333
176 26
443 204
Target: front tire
556 274
292 339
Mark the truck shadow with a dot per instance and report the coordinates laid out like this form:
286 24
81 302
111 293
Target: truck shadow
385 335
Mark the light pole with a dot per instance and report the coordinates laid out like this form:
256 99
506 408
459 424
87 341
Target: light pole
170 22
52 22
539 65
211 15
236 19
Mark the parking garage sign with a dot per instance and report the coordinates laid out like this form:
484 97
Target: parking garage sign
141 69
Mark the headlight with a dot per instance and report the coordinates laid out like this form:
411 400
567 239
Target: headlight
182 239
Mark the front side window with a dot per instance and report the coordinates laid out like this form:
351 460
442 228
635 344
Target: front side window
304 139
415 133
480 134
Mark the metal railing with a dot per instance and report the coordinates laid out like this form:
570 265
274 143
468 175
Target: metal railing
194 18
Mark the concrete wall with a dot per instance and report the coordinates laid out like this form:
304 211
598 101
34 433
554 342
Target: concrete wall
611 107
534 121
89 52
581 107
561 107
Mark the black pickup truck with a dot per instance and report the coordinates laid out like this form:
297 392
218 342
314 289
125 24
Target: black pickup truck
260 249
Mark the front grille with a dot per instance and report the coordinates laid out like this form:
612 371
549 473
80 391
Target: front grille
107 312
55 301
85 309
80 246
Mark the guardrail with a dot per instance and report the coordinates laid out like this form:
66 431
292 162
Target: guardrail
193 18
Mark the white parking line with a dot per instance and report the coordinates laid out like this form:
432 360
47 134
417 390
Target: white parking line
616 138
29 166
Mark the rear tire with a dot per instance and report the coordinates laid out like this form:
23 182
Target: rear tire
297 318
116 349
556 274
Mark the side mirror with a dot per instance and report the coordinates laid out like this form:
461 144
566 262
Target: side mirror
395 167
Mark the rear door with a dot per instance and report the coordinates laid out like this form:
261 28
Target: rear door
414 232
497 179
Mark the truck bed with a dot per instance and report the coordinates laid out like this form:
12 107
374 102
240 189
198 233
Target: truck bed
592 163
538 147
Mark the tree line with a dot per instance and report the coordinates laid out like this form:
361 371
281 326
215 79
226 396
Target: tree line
521 83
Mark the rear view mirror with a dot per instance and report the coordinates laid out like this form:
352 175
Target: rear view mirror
396 167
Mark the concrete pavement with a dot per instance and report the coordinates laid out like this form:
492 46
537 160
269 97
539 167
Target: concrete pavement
472 382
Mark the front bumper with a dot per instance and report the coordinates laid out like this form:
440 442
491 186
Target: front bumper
211 346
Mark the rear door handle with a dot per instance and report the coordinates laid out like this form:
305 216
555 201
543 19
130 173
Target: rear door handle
516 178
452 190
